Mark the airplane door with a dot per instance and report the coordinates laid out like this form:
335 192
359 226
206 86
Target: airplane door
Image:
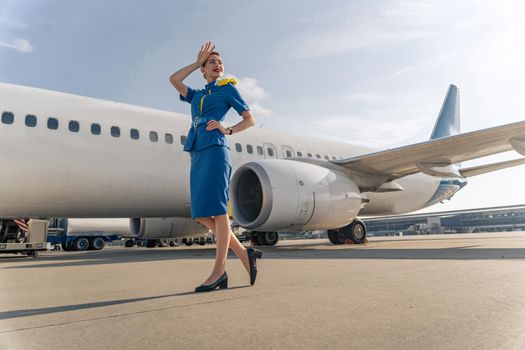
270 152
288 152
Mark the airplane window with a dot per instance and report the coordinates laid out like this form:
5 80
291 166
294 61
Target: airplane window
309 154
333 157
8 118
134 134
238 147
249 148
115 131
168 138
326 157
153 136
183 139
73 126
259 150
95 129
52 123
299 153
270 152
288 153
318 156
30 120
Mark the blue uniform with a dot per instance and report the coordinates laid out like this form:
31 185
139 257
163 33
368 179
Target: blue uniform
210 157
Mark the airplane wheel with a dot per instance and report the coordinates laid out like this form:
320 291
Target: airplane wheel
81 243
163 243
356 232
97 243
336 236
151 243
129 243
267 238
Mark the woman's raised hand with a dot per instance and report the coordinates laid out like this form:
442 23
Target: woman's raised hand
205 51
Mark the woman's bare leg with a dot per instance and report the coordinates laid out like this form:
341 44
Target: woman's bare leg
222 223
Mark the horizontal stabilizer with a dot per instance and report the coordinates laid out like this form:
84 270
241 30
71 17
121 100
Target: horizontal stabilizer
482 169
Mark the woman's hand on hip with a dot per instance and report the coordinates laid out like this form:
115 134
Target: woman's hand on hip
214 124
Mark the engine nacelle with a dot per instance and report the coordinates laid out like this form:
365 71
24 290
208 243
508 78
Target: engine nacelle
277 194
175 227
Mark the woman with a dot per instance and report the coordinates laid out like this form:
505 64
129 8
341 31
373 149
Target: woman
210 158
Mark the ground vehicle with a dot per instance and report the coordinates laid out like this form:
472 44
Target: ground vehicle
15 240
58 234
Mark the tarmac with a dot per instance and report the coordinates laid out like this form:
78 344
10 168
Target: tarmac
433 292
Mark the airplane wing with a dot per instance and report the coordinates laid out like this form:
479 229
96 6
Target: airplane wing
431 157
486 168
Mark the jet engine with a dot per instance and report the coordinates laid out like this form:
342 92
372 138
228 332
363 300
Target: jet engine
275 194
174 227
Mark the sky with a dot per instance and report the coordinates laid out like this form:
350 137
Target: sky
371 73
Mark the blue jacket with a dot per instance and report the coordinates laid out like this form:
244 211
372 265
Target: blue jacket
211 103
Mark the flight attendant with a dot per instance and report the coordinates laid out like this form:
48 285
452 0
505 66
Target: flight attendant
210 158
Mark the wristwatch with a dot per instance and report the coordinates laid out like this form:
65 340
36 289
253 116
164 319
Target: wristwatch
230 130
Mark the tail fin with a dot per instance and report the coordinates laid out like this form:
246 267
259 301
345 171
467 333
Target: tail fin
448 120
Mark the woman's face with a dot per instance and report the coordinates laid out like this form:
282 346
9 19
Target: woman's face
213 68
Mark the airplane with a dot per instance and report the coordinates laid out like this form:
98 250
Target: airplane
65 155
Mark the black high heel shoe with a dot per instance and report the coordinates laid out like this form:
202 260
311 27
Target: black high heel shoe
253 255
222 283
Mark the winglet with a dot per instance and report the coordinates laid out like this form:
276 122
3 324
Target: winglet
448 120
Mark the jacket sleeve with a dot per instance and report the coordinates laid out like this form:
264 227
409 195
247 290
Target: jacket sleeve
235 99
189 95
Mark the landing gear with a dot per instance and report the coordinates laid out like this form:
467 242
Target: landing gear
265 238
129 243
355 232
336 236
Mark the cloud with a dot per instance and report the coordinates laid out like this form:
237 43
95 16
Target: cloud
330 43
259 110
253 93
10 23
361 130
21 45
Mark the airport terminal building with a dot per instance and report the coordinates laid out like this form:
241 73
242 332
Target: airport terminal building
495 219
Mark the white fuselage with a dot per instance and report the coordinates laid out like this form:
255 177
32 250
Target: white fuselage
59 173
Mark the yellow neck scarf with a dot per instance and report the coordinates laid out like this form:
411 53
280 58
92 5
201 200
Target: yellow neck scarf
226 81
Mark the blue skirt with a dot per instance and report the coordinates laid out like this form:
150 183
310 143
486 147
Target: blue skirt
210 181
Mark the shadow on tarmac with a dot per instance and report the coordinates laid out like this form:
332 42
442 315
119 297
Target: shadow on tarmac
308 251
51 310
